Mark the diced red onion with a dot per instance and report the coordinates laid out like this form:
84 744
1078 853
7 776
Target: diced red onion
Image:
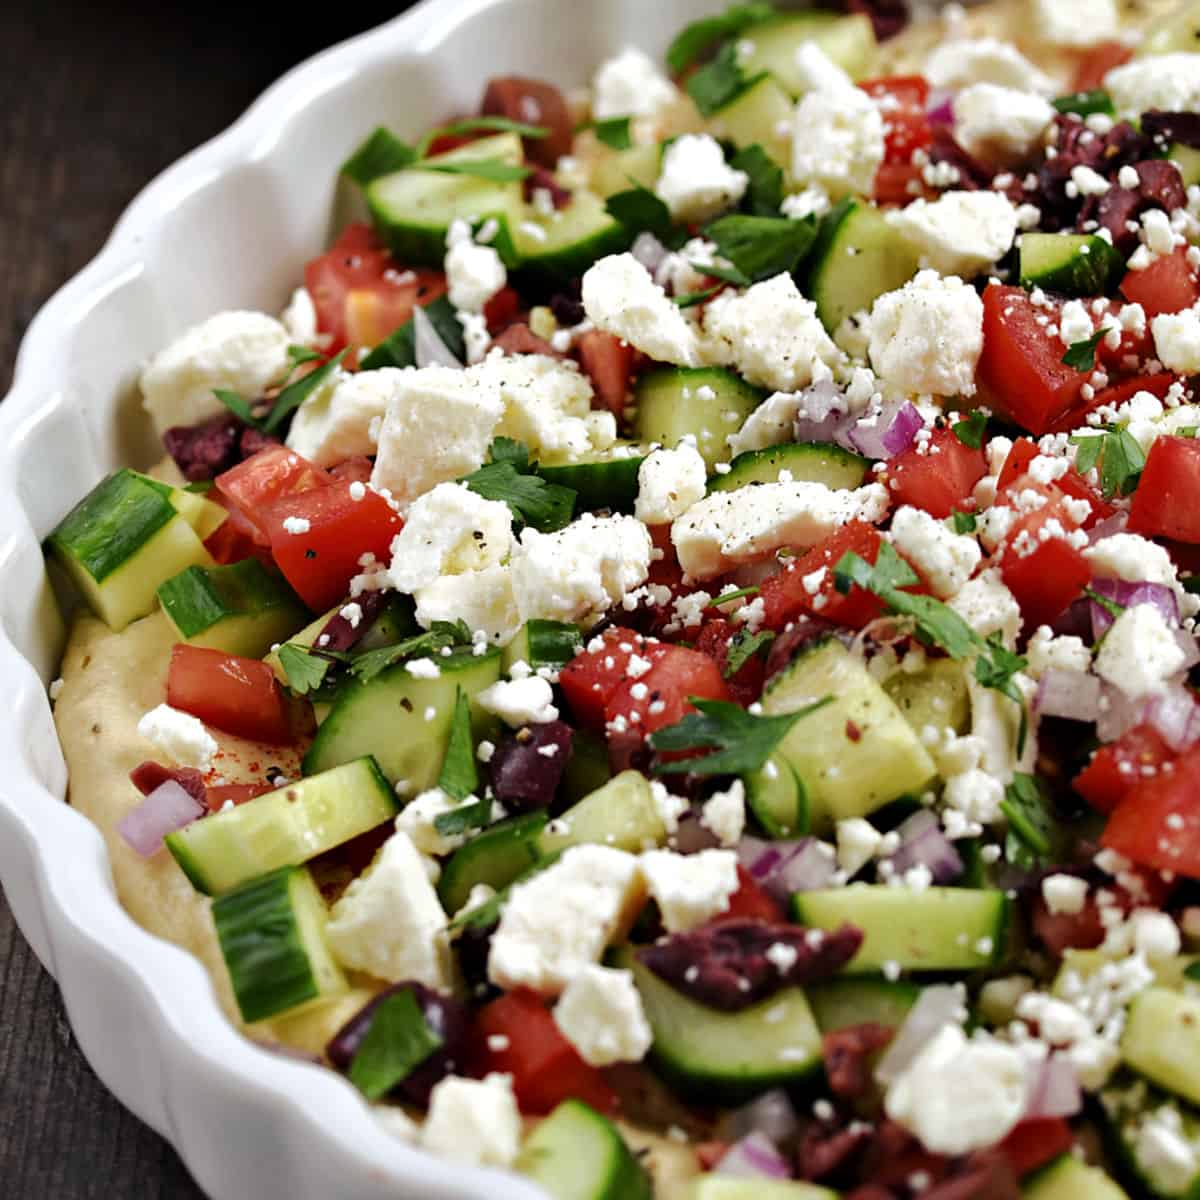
166 809
1173 713
1118 713
1072 695
940 110
753 1157
936 1007
648 250
887 433
781 868
833 427
1053 1089
904 429
772 1114
428 348
1128 595
923 844
1109 526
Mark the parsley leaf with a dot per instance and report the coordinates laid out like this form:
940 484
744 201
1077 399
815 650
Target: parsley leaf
762 247
399 349
1081 356
440 635
613 132
509 478
726 597
970 430
1034 830
691 299
695 38
305 671
729 274
964 522
301 354
380 154
995 669
459 776
1119 454
465 818
742 742
239 406
718 82
743 646
397 1041
641 211
475 125
506 449
294 394
764 194
1109 605
493 169
1192 971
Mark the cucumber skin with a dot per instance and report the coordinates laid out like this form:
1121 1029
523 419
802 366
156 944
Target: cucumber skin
1075 273
807 461
496 856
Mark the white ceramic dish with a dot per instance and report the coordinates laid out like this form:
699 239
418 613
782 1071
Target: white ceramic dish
230 225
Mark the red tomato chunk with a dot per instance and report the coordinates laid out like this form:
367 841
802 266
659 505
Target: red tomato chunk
237 695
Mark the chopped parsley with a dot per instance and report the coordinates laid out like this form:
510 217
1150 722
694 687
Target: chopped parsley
971 429
478 125
1120 457
439 636
764 193
459 777
305 670
1081 356
761 247
964 522
398 1040
613 132
743 646
641 211
510 478
291 394
1034 832
694 39
717 83
493 169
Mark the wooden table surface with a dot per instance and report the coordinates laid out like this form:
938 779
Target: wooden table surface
95 99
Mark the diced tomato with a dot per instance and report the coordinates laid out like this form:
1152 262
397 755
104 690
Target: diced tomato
592 676
1071 483
235 539
1113 397
608 363
750 902
899 184
1168 285
339 530
360 294
501 310
1041 568
1167 500
234 793
938 476
715 637
1063 931
906 127
785 596
1035 1142
239 695
356 469
659 697
546 1069
251 487
1021 373
1116 769
1096 64
1158 822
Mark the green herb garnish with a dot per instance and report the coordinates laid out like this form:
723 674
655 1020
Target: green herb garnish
694 39
1081 356
397 1042
459 777
970 430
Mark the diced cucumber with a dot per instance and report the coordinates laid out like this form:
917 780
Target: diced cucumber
1168 973
202 515
708 403
857 257
542 644
1086 104
562 245
1066 1178
121 541
727 1057
576 1154
495 857
842 1003
1162 1040
286 827
413 208
404 721
848 41
1187 159
761 114
727 1187
621 814
242 608
1126 1106
606 480
857 753
806 462
936 695
1178 33
588 768
272 936
1073 264
939 929
778 799
619 170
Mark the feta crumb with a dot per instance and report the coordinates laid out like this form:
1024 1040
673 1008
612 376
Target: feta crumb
695 182
600 1013
520 702
1064 893
630 85
179 736
474 1121
1139 653
724 813
960 233
945 558
669 483
690 889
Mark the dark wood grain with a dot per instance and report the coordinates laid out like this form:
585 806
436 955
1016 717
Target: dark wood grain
95 99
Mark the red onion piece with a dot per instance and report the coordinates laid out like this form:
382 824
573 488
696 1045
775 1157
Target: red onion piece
887 433
1175 715
1072 695
922 843
166 809
832 428
428 347
1109 526
1053 1089
772 1114
1129 595
1118 713
781 868
936 1007
941 109
754 1157
648 250
904 429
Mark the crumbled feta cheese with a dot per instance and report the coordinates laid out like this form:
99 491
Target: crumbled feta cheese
857 843
1139 653
1076 24
396 1122
241 352
179 736
476 338
1001 123
417 820
989 607
630 85
746 524
770 333
1177 339
690 888
520 702
600 1013
811 201
1163 1152
837 141
695 182
474 274
474 1121
300 318
342 418
483 599
390 923
561 919
945 558
669 483
449 530
1170 82
958 1095
926 338
1046 652
960 233
438 427
1064 893
975 793
1134 559
1155 934
817 72
724 813
621 297
957 62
